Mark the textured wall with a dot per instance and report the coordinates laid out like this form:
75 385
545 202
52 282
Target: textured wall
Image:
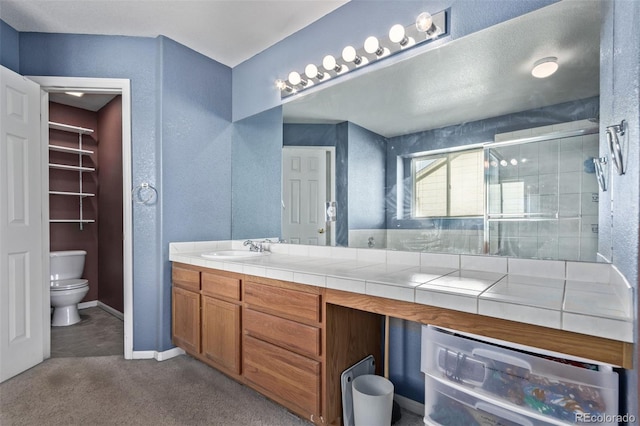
110 206
253 80
620 99
118 57
367 159
9 47
195 139
257 176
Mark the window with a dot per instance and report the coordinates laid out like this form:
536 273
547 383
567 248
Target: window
448 185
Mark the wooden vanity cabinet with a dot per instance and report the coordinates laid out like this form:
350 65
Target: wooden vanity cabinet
280 338
206 316
185 308
221 313
282 347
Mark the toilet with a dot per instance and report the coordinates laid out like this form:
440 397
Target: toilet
67 286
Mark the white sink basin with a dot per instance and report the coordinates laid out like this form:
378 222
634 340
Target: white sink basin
233 254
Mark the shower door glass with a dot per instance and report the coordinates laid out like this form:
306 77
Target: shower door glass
542 198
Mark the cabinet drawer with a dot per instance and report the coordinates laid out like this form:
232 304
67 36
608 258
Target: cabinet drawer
283 302
560 389
185 278
217 285
450 406
304 339
288 376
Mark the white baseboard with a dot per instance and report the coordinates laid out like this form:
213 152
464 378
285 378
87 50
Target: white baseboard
158 356
409 404
107 308
90 304
111 310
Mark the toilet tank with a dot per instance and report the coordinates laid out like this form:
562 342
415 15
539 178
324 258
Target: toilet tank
65 265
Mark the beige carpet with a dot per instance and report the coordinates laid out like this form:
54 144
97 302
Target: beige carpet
109 390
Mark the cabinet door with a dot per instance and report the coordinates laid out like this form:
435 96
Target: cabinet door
221 333
185 309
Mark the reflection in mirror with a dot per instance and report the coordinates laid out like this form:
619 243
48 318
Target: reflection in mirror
402 180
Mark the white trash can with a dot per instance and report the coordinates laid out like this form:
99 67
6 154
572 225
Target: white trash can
372 400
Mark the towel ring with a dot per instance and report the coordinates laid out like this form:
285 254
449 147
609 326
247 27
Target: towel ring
137 193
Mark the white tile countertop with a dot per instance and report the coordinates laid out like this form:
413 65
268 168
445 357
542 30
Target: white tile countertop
588 298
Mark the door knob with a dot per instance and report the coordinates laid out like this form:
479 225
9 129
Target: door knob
321 231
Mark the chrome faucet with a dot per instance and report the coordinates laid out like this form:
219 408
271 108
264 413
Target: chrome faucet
254 246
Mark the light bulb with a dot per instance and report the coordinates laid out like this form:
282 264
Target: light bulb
514 162
424 23
311 71
294 78
503 163
349 54
372 45
329 63
282 85
397 35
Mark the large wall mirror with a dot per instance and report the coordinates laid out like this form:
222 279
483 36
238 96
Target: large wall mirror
456 149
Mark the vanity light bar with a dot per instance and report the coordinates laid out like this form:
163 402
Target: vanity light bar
427 27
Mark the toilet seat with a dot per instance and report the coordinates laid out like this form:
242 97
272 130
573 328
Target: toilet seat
71 284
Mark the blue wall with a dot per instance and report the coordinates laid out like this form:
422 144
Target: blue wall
195 136
133 58
257 176
9 47
253 80
181 143
367 161
620 99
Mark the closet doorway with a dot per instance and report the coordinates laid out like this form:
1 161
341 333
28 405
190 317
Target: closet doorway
56 102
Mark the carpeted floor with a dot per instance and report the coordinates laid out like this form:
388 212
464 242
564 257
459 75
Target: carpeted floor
88 382
109 390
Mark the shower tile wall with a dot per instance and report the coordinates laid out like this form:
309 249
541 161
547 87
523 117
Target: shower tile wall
557 177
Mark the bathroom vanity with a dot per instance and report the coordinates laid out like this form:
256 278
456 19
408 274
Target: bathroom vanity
288 324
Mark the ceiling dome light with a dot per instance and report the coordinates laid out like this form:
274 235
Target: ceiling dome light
545 67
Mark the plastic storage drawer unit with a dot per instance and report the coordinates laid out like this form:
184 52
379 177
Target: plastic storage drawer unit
449 406
563 392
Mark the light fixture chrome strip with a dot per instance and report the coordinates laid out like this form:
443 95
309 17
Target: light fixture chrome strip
426 28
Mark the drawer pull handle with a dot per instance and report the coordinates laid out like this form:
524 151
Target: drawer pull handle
500 357
460 368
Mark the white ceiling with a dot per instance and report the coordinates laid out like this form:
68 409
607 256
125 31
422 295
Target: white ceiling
486 74
229 32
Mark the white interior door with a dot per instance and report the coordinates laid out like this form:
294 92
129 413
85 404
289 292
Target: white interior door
22 277
304 193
